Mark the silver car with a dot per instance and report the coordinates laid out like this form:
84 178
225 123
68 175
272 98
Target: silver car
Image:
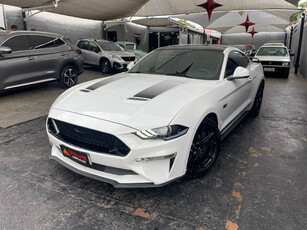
29 57
105 54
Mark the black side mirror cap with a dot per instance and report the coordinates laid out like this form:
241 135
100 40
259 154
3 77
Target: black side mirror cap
292 55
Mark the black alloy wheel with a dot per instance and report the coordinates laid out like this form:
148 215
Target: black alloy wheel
257 102
205 149
105 66
68 77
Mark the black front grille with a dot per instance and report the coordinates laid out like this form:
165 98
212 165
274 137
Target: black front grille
87 138
128 58
271 63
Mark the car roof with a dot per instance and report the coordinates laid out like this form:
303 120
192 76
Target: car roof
273 44
126 43
195 47
94 40
26 32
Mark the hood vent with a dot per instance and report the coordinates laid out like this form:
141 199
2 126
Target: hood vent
139 99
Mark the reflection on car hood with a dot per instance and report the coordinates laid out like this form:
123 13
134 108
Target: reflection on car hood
134 100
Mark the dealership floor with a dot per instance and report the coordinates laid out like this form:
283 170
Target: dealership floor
258 182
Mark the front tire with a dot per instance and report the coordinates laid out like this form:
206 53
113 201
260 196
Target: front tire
258 101
205 149
68 77
105 66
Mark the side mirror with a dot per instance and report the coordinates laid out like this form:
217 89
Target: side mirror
240 73
256 60
292 55
130 65
5 50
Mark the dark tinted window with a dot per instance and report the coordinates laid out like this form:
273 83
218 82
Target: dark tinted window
236 59
18 43
44 42
94 47
231 67
239 58
83 45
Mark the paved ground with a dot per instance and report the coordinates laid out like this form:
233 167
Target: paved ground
258 182
26 104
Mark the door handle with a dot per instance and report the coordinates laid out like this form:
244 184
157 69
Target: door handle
63 55
31 58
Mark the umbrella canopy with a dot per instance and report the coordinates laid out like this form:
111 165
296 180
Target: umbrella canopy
90 9
173 7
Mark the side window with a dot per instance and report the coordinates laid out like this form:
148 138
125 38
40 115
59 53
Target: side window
94 47
44 42
18 43
236 59
239 58
230 68
83 45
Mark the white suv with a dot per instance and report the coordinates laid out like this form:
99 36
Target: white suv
275 58
105 54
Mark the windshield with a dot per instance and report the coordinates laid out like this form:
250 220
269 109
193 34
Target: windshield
130 46
109 46
197 64
272 51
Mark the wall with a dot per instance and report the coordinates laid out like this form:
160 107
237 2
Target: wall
71 27
258 40
294 48
128 32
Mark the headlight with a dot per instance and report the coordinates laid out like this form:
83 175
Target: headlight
115 57
166 133
286 64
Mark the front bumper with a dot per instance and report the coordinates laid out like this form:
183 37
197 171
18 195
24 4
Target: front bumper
127 171
275 68
121 64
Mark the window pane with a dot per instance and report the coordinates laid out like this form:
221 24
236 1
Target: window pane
93 47
83 45
239 59
43 42
197 64
18 43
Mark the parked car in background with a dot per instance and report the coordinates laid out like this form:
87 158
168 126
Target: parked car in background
275 58
29 57
174 107
105 54
131 47
248 49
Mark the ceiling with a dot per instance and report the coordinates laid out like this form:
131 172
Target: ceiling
90 9
174 7
107 9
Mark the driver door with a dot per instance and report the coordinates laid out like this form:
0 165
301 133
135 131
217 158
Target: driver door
237 91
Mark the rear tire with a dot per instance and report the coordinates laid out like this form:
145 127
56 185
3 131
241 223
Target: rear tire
258 101
105 66
204 150
68 77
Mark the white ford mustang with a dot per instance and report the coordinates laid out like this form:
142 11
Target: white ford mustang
161 120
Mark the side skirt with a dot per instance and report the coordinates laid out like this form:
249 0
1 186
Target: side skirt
233 124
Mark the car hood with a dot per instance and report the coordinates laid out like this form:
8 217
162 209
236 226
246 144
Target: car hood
139 101
122 53
273 58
